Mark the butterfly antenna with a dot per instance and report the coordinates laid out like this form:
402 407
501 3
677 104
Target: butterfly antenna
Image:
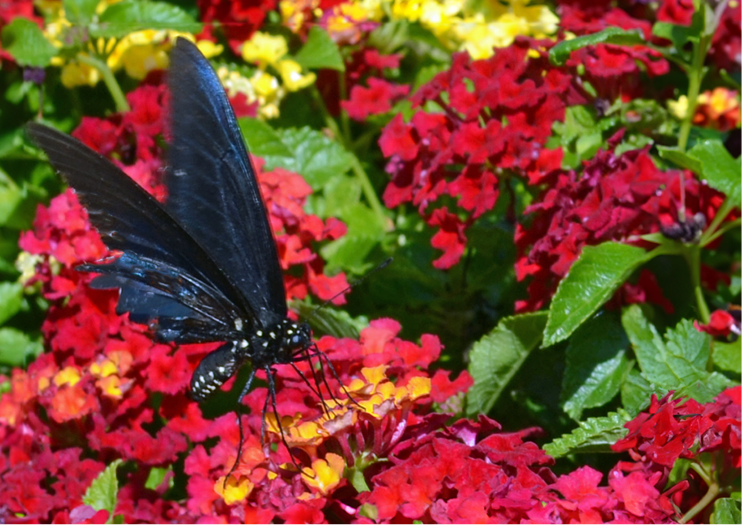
351 285
242 433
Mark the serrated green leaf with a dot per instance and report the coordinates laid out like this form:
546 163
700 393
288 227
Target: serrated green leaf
595 434
596 365
591 281
305 151
315 156
122 18
11 296
636 392
320 52
102 494
720 169
17 348
495 358
726 510
559 54
680 158
80 12
680 361
25 41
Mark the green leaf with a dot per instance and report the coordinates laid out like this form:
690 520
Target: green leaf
263 141
129 16
17 348
591 281
720 169
10 198
727 356
315 156
596 365
320 52
559 54
102 494
595 434
80 12
23 39
329 321
11 296
636 392
156 476
679 361
726 510
496 358
680 158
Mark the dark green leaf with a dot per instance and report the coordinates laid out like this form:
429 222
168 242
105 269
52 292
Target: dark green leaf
726 510
129 16
496 358
596 365
591 281
720 169
16 348
80 12
11 296
596 434
320 52
559 54
102 494
23 39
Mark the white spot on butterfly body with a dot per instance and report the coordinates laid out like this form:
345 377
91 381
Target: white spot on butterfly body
238 324
180 173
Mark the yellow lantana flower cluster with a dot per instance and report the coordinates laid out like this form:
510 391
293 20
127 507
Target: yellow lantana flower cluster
457 24
266 51
137 53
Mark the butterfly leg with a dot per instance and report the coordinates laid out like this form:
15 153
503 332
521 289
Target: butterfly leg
269 372
319 353
316 391
239 424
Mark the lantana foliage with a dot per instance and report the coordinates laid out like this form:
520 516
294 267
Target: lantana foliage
557 339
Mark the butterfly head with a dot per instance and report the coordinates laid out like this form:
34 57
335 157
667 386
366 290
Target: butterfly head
281 343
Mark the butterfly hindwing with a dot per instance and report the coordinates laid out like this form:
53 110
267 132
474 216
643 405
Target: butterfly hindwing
212 186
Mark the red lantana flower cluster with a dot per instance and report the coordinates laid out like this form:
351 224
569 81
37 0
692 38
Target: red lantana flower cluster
497 116
705 435
615 198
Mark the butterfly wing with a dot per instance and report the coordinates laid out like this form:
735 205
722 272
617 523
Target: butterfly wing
212 188
164 274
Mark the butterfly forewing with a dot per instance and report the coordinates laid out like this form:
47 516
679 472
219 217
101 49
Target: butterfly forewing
212 187
160 258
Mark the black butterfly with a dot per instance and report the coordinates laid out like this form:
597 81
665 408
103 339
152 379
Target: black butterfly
204 266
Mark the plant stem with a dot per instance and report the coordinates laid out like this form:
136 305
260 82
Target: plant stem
692 254
702 504
368 189
109 79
